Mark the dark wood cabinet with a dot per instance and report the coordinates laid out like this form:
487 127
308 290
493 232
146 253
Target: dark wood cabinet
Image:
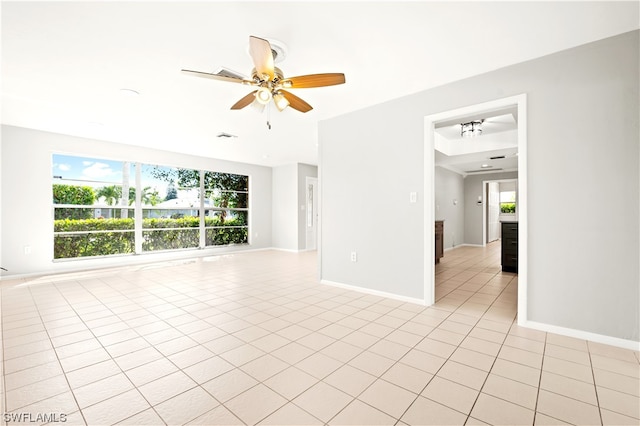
510 246
439 239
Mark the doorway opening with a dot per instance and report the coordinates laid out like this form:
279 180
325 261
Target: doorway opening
462 115
501 205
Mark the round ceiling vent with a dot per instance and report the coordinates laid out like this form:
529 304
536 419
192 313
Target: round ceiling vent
278 48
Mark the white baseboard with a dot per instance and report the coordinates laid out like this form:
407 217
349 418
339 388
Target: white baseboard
584 335
85 264
463 245
291 250
374 292
284 250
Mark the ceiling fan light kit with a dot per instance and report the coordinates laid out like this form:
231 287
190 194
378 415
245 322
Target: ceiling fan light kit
263 95
270 80
280 101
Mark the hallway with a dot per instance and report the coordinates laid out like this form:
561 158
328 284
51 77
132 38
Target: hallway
470 281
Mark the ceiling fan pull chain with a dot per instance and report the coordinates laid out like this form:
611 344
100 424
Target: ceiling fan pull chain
269 116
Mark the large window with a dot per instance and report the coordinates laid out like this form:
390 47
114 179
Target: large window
100 208
92 207
227 212
174 222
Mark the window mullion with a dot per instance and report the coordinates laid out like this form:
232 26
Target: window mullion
203 240
138 210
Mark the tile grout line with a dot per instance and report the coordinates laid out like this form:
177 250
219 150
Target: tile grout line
457 346
595 387
107 352
240 368
262 382
3 422
198 385
544 350
56 354
390 310
362 350
506 335
249 297
380 376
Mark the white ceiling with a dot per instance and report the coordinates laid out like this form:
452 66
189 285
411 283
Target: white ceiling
495 149
64 63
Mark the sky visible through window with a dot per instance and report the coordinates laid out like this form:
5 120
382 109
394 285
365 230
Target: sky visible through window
508 197
97 173
89 171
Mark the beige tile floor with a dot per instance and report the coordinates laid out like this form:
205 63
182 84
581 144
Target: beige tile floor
253 338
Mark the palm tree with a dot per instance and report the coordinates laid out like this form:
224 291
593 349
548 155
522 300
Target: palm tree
110 194
149 196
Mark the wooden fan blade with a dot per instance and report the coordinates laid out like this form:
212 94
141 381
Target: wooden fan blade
314 80
245 101
260 51
295 102
217 77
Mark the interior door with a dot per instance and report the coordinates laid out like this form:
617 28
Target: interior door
312 212
493 211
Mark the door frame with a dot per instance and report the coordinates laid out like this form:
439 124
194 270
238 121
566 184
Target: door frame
429 189
315 213
485 210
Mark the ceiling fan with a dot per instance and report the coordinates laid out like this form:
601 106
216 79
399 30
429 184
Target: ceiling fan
270 80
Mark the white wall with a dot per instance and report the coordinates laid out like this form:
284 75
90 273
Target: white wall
289 220
27 218
583 121
370 162
450 205
285 211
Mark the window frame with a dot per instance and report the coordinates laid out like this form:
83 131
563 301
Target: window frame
514 202
139 209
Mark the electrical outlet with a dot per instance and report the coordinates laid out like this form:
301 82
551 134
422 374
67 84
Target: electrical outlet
27 249
354 256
